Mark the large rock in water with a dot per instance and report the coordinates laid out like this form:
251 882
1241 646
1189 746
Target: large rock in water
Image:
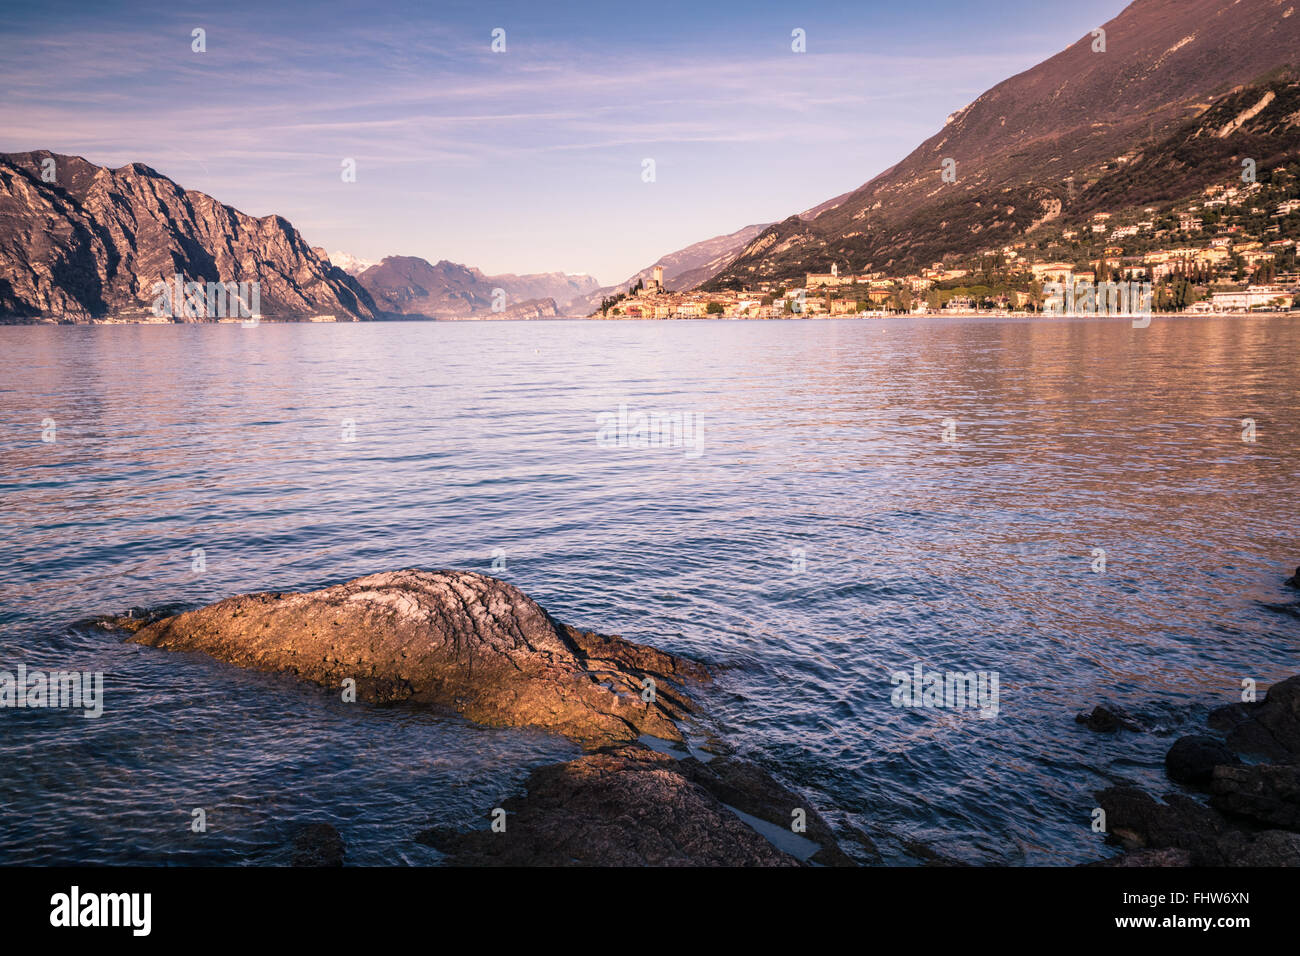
446 639
1192 759
626 806
1270 727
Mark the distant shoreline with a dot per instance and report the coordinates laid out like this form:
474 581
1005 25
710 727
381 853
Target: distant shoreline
331 320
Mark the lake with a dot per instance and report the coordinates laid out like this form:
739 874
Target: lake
1073 505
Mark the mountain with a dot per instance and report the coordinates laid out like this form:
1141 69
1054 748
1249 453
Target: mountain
349 263
93 242
1054 142
411 286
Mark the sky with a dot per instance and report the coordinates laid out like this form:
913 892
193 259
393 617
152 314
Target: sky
527 160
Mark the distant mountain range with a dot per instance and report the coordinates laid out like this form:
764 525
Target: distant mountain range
413 287
80 242
1172 96
1085 130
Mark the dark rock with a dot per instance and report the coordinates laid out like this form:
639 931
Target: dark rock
1142 858
624 806
1270 727
752 790
135 618
317 844
1268 848
1268 794
1107 720
1135 820
447 639
1294 581
1193 759
1138 822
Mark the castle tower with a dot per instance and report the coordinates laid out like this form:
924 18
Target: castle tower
659 278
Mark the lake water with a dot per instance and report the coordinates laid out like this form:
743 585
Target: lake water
823 536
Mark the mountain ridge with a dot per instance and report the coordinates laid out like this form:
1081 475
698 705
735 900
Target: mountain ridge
1030 148
413 286
81 242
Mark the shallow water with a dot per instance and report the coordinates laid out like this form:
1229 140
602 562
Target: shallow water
480 439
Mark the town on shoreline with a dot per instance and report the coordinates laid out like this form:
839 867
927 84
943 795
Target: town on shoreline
1232 250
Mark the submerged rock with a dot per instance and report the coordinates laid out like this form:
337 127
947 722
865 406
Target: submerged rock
1107 720
446 639
1192 759
624 806
317 844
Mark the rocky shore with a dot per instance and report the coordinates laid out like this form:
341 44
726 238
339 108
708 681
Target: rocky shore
1246 777
476 646
640 793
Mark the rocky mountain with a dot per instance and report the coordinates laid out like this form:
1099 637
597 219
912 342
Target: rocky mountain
80 242
1259 122
1059 140
410 286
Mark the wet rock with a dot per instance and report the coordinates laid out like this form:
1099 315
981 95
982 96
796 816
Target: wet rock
1294 581
1269 848
1192 759
1270 727
1138 822
1268 795
1135 820
1165 857
624 806
135 618
754 791
317 844
446 639
1107 720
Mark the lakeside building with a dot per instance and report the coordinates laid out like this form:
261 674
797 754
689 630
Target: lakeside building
1253 297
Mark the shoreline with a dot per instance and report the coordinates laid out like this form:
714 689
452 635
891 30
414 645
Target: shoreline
330 320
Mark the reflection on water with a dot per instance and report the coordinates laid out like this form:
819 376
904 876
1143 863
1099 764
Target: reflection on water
826 537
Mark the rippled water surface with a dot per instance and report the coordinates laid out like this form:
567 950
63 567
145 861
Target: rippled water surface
823 450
